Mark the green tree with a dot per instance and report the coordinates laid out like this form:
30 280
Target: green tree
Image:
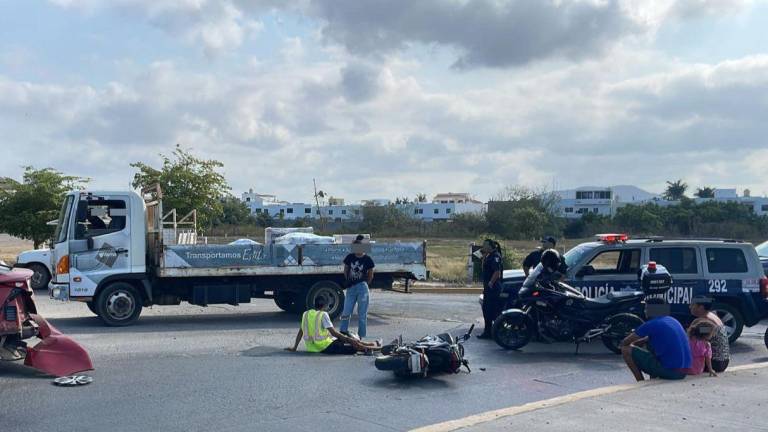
675 190
705 192
523 213
233 212
26 207
188 183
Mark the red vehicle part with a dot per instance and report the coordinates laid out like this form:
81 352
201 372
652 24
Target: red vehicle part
55 354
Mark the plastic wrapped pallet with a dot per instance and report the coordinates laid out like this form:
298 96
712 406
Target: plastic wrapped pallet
299 238
271 233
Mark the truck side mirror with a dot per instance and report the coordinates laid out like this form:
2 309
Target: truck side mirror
587 270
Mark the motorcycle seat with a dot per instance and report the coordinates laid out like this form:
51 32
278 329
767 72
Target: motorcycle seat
618 296
612 298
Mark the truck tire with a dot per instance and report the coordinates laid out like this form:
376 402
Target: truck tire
92 307
286 301
119 304
333 293
732 320
40 277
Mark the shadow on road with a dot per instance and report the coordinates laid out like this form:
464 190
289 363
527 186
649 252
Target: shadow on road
185 323
16 369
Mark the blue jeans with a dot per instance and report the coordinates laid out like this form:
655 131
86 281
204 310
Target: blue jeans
357 293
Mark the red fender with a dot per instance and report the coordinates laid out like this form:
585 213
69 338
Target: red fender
56 354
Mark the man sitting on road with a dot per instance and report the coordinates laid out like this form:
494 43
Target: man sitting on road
659 347
320 336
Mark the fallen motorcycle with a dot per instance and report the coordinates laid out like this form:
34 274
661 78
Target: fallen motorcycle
55 354
443 353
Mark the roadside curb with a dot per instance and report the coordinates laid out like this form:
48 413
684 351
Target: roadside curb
439 290
490 416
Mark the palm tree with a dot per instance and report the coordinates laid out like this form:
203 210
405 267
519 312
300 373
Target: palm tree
675 190
705 192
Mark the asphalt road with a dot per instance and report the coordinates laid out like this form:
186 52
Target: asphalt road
223 368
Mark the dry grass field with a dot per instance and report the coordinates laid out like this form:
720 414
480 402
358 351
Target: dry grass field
10 247
446 258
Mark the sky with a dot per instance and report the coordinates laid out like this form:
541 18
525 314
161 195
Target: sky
384 99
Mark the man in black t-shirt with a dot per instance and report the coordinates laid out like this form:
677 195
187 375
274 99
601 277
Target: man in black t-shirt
534 258
358 272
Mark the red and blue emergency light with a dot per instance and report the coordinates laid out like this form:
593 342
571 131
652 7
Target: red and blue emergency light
612 238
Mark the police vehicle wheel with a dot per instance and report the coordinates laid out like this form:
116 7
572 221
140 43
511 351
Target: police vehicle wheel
119 304
731 318
333 294
619 327
92 307
512 331
40 276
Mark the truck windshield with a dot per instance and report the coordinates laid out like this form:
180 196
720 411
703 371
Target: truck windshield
762 249
63 224
574 255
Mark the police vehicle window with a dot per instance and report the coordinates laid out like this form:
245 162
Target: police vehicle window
617 262
726 260
676 260
573 256
99 217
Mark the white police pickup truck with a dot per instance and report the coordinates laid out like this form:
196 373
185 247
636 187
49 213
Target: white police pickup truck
729 271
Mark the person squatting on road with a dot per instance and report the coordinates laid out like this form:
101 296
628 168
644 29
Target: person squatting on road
659 347
534 258
493 269
320 336
358 272
701 309
701 350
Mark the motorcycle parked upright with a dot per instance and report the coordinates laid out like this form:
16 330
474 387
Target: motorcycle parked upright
553 311
430 354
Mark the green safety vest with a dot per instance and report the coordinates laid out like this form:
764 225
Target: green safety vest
316 338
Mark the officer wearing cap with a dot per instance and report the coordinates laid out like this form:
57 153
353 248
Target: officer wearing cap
534 258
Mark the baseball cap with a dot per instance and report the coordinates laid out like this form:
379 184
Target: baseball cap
549 239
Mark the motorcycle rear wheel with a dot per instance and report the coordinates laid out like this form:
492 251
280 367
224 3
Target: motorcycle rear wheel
619 327
391 363
513 330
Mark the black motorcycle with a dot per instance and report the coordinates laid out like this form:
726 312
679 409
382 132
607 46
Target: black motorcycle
443 353
552 311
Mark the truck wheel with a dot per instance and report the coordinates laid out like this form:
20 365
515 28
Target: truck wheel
731 318
92 307
333 294
119 304
41 276
286 301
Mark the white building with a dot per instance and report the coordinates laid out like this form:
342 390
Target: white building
759 205
339 211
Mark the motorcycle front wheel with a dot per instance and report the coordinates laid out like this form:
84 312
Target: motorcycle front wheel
512 330
619 327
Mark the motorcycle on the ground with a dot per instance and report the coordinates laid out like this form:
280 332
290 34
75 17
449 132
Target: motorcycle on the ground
443 353
553 311
55 354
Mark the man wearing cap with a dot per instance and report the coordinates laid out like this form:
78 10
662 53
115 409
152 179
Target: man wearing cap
534 258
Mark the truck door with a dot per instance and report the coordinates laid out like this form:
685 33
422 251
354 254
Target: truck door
101 242
609 270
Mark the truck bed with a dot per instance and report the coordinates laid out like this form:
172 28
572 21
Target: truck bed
251 260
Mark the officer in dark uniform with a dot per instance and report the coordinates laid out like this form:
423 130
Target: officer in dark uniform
534 258
492 273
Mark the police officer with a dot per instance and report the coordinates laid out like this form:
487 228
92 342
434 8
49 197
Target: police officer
534 258
492 273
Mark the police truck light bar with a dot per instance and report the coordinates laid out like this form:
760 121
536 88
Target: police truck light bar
612 238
